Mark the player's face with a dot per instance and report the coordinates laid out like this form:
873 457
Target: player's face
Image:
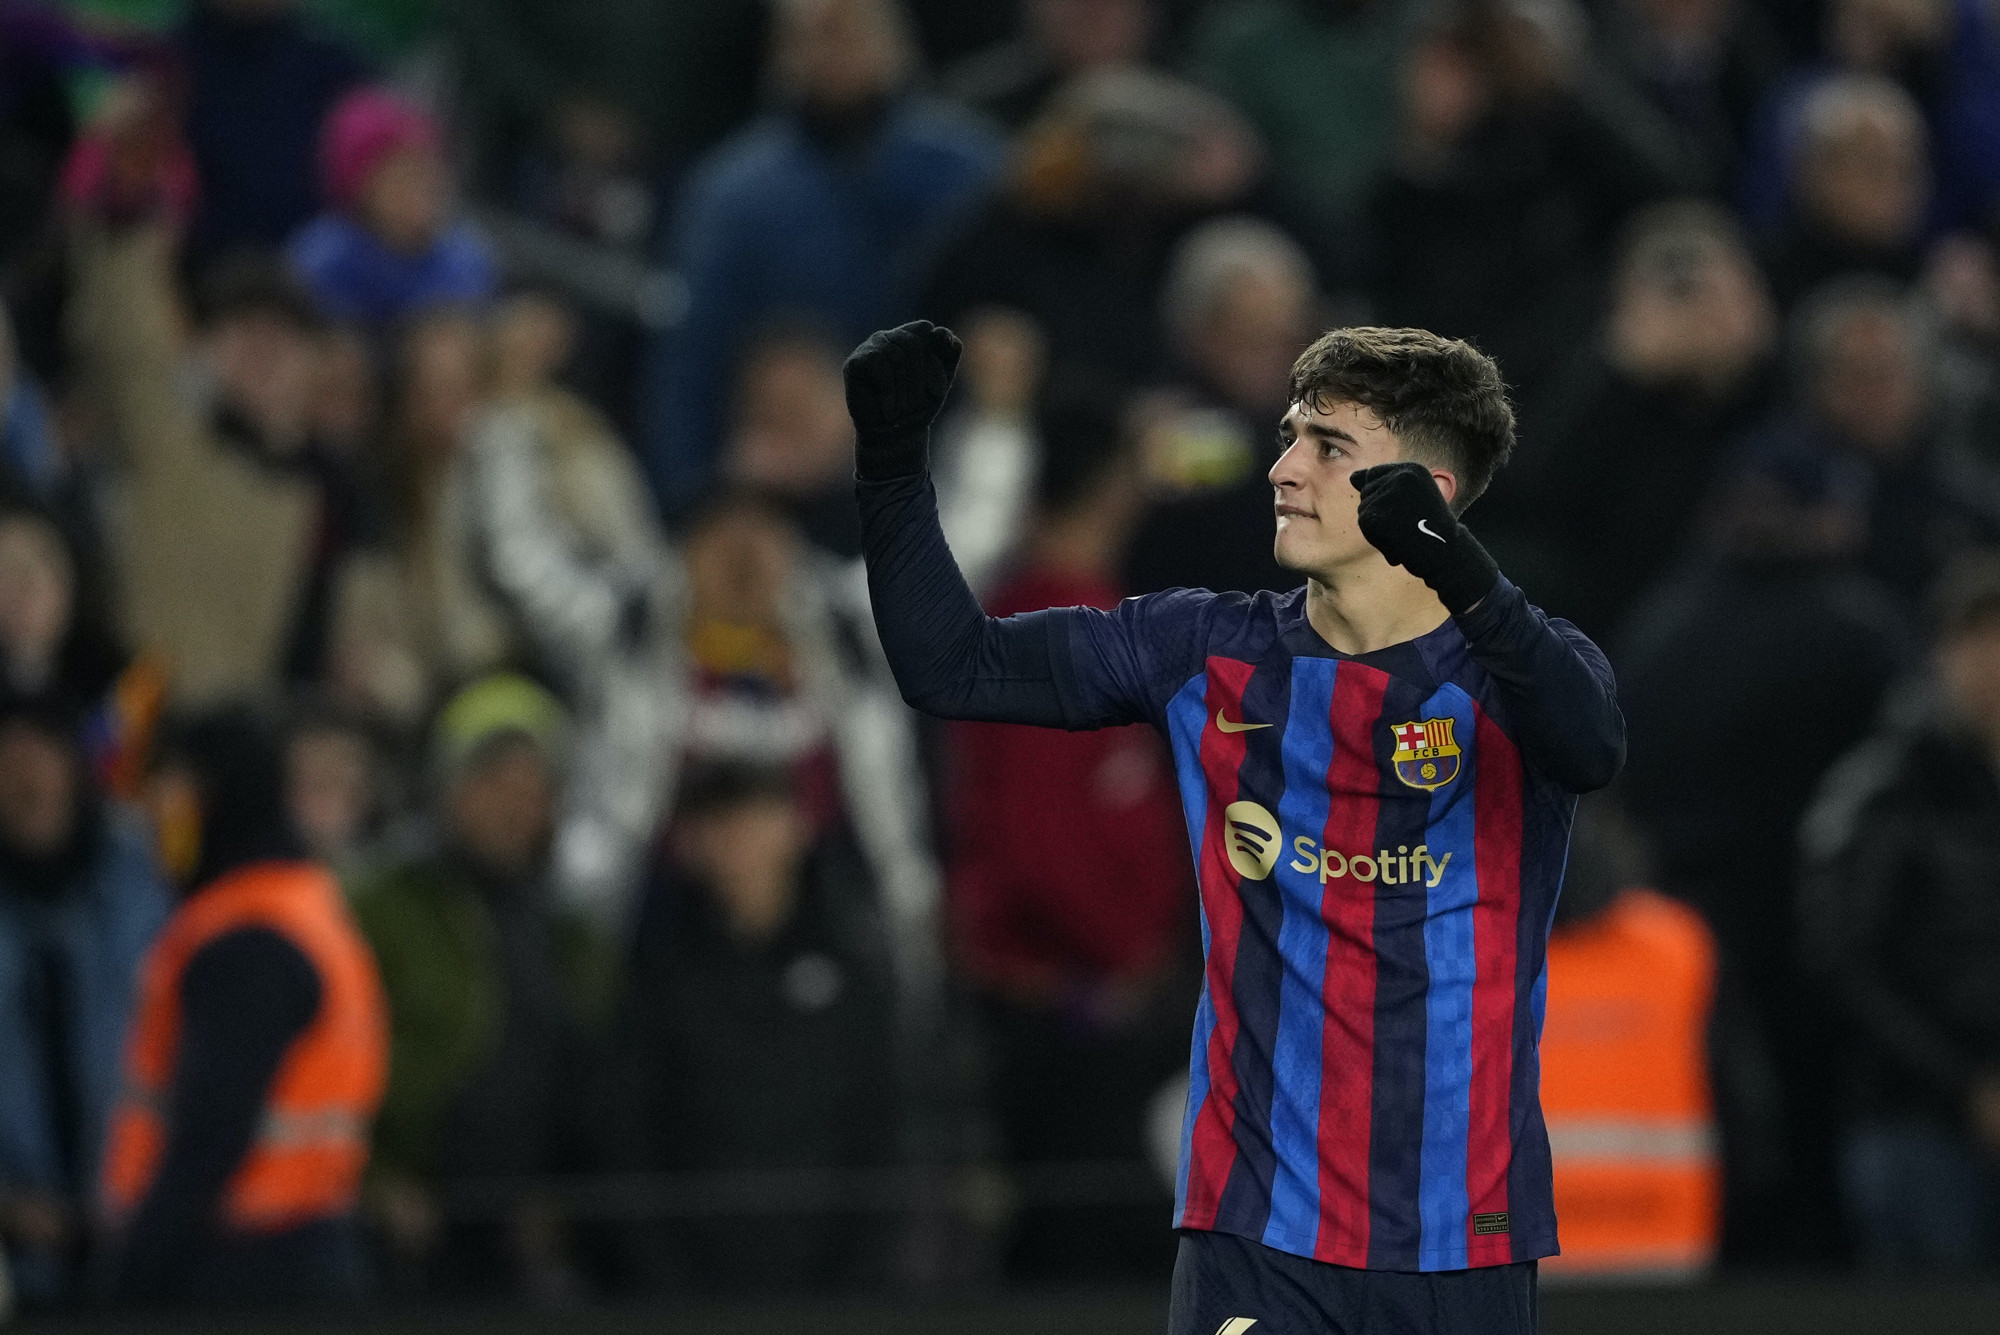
1317 532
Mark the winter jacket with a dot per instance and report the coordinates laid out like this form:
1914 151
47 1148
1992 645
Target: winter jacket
216 540
81 939
648 714
778 221
562 529
1900 910
763 1058
492 992
354 277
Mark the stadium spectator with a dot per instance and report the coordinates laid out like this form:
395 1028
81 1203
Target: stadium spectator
1076 944
50 641
1078 235
494 991
820 208
80 901
387 245
560 521
347 409
664 79
1743 677
33 463
257 1054
260 81
1945 54
764 655
1516 163
412 614
1318 80
759 1035
1624 1058
1630 435
221 503
54 642
1868 373
789 436
1059 40
1239 305
1897 908
1705 64
1860 190
333 784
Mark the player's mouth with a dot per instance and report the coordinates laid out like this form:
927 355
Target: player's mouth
1289 511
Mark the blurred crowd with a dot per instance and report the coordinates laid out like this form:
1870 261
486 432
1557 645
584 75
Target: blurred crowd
458 835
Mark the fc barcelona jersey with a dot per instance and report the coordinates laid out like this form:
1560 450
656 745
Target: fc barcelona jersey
1378 868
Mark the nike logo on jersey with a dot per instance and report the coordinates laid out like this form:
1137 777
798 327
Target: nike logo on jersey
1424 527
1222 722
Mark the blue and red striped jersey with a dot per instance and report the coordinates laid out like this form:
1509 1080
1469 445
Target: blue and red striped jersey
1378 869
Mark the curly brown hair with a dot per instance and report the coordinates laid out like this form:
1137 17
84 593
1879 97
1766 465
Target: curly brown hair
1442 397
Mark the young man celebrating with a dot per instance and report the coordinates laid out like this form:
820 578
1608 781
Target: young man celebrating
1378 771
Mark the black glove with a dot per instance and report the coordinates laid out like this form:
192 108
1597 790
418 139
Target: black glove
896 382
1404 514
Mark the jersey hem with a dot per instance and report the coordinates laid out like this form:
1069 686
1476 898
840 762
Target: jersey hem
1528 1247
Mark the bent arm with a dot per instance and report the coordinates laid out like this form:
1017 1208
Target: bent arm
950 659
1560 694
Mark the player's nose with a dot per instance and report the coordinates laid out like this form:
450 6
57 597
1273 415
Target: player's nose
1285 473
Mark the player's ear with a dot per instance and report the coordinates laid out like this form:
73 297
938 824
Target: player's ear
1448 484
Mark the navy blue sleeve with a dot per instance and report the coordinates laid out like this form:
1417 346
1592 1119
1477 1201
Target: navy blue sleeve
1561 698
1071 667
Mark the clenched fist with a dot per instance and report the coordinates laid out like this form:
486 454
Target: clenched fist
1404 515
896 382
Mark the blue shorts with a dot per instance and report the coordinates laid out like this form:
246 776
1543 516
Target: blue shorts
1226 1285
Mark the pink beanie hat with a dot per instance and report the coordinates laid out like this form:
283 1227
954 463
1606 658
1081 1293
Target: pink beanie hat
363 128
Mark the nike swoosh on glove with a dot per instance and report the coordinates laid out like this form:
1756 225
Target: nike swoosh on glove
896 382
1404 515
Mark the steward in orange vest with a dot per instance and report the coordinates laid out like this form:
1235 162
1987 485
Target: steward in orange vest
257 1055
1625 1077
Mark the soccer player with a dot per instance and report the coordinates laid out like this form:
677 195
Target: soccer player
1379 771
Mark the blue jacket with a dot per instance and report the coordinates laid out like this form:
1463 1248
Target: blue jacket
354 277
775 224
99 927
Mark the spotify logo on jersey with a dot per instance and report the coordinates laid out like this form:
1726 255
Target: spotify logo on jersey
1251 835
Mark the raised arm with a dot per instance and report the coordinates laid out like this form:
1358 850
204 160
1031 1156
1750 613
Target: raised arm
1561 697
1062 668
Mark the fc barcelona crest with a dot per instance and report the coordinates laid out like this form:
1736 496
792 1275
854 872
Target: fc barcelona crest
1426 753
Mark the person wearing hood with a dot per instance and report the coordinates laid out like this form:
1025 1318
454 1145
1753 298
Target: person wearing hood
80 901
818 209
257 1054
1900 918
493 989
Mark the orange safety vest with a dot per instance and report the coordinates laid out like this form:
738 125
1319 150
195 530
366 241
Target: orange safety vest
311 1144
1625 1091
